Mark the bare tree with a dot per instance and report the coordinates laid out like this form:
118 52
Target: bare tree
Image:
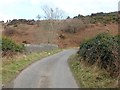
38 19
52 15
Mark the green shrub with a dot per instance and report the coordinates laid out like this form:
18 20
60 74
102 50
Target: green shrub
10 45
105 18
103 50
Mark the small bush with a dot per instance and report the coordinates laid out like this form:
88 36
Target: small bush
9 45
103 50
73 26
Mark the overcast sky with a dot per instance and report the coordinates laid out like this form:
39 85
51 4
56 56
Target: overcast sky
29 9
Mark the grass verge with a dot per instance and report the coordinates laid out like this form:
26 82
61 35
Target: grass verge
13 66
90 76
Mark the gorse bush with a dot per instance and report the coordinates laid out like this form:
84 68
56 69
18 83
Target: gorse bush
105 18
9 45
103 50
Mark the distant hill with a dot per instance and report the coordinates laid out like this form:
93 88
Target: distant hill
66 33
103 18
19 21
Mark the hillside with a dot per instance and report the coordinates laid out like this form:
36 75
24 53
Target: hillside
95 49
66 33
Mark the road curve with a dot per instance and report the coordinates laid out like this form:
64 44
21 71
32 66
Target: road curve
50 72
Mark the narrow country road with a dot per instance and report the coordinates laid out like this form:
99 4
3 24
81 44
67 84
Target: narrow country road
50 72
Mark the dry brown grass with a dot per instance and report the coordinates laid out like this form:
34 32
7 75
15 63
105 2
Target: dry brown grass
40 34
89 32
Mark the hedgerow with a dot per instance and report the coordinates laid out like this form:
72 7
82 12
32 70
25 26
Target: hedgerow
103 50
